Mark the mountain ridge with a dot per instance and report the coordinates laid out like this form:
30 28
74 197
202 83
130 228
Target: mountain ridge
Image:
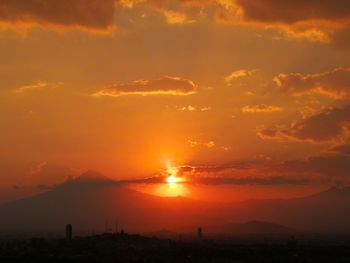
88 202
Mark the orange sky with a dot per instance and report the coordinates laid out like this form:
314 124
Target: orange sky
253 96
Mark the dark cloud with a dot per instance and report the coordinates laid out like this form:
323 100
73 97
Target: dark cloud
215 169
326 126
234 174
332 165
335 83
293 11
275 180
325 21
55 14
164 86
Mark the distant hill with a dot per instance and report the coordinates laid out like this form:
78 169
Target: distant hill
256 227
322 212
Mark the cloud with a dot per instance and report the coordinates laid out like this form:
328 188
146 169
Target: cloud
173 17
220 175
323 21
321 168
193 108
334 84
173 11
291 11
208 144
316 20
238 74
249 93
261 108
205 109
164 86
47 174
331 165
329 125
37 85
90 15
325 168
188 108
277 180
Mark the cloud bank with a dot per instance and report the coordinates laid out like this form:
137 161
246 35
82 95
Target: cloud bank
329 125
91 15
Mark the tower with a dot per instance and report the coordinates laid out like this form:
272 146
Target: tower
69 233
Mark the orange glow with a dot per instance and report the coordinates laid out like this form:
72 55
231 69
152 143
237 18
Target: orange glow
260 126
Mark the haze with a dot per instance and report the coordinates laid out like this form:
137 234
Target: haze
244 99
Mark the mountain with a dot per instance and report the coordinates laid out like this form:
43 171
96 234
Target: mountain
93 202
89 202
91 176
322 212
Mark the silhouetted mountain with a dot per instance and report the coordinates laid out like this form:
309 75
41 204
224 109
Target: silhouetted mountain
91 176
89 201
256 227
322 212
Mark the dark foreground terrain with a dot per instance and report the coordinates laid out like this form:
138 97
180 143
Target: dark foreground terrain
136 248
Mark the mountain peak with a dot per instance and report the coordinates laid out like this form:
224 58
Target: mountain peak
92 176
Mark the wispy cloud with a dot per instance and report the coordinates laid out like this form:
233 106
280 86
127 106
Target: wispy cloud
237 74
37 85
208 144
165 86
193 108
261 108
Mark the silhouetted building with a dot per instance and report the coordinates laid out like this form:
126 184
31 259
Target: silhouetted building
69 232
199 233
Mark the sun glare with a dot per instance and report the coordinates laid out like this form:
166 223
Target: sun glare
172 171
171 179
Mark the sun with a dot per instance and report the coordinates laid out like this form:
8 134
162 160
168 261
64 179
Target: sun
171 179
172 182
172 171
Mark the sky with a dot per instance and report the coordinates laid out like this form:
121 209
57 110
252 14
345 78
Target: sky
245 99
